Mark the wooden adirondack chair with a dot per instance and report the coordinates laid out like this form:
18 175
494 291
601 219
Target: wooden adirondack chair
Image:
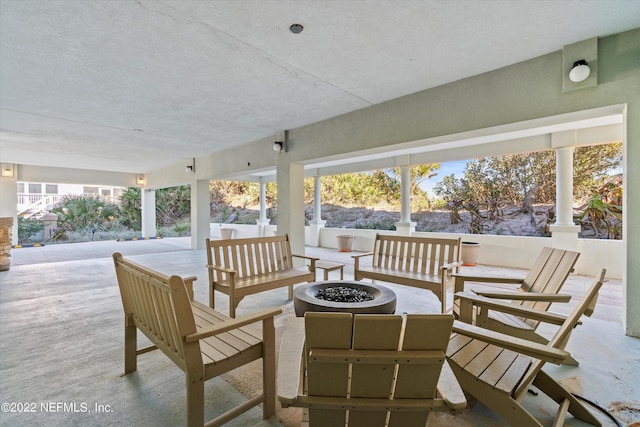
362 370
498 369
537 291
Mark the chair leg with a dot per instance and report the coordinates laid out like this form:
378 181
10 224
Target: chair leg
195 401
268 368
557 392
130 347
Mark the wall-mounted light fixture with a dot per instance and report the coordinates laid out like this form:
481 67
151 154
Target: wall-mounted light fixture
277 146
579 71
192 167
8 170
140 179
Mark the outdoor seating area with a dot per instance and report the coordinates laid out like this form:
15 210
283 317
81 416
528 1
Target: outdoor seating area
37 300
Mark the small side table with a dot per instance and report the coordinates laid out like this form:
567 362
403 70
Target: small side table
329 266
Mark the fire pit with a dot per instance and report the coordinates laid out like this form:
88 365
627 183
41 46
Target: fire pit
344 296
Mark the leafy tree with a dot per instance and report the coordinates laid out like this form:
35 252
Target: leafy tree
131 208
173 205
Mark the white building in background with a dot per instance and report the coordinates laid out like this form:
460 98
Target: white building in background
37 198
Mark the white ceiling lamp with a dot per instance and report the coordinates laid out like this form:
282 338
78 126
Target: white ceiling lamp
579 71
192 167
277 146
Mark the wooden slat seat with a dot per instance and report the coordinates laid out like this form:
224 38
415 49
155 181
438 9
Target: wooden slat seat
202 342
498 369
421 262
241 267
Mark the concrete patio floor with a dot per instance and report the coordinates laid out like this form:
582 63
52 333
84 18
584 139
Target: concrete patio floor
61 342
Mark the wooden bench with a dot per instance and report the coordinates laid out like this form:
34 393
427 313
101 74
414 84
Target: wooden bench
201 341
421 262
242 267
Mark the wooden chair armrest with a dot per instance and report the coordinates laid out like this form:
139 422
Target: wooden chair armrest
310 258
505 307
450 389
361 255
222 269
533 349
230 324
451 265
523 296
290 368
484 279
312 263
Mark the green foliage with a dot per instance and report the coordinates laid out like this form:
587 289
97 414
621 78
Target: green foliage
131 208
27 227
85 214
525 179
173 205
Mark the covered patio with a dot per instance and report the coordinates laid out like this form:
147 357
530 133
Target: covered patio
156 94
62 341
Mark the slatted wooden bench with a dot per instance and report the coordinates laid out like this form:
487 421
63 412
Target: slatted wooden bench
203 343
421 262
242 267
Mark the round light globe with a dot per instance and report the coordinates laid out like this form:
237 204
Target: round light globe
579 72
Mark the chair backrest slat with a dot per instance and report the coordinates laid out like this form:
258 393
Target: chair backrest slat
422 255
370 357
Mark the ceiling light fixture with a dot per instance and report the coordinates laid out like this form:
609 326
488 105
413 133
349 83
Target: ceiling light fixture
579 71
277 146
192 167
7 170
296 28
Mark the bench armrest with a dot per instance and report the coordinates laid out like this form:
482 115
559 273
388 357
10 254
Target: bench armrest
485 279
539 351
312 265
524 296
459 280
221 269
361 255
290 365
230 324
472 299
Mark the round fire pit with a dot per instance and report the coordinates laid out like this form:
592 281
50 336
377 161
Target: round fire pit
308 298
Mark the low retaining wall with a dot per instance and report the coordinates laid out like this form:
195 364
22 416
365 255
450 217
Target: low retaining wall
502 251
505 251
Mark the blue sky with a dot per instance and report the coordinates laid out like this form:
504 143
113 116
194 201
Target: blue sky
448 168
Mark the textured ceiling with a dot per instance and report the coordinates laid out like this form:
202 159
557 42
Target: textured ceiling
132 86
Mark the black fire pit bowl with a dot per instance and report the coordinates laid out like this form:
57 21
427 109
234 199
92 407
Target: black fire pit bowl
384 299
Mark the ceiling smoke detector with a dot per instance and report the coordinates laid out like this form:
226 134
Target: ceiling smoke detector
296 28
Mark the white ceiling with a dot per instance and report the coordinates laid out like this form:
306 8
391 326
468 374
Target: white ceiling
132 86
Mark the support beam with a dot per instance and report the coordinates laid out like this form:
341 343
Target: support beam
291 204
200 213
405 227
148 203
317 224
263 221
564 233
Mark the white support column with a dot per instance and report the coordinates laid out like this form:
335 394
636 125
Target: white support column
9 198
317 224
148 203
291 204
263 221
564 233
405 227
200 213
